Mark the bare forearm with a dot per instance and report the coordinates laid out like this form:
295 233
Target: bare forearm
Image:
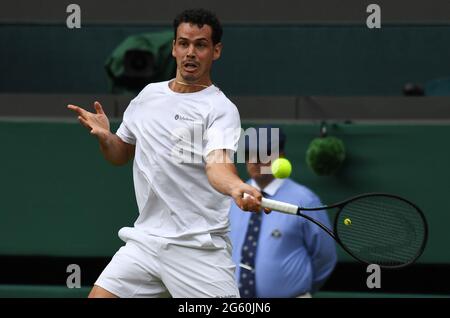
115 150
223 177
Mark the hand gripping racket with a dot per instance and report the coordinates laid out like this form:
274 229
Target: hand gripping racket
374 228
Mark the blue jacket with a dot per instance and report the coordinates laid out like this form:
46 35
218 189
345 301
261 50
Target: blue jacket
294 256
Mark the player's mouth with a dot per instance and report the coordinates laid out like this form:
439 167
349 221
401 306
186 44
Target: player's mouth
190 66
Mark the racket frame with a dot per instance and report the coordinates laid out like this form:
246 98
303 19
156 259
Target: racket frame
340 205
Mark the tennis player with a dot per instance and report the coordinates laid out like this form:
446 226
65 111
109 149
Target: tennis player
178 245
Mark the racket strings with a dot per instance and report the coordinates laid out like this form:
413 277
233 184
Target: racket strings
382 230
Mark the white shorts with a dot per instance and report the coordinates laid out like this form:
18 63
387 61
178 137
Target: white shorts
159 267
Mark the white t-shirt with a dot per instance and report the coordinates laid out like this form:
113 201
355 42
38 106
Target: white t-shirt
173 133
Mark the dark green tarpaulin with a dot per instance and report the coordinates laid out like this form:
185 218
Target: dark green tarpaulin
157 45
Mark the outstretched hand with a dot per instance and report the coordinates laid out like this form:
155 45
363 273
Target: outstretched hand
97 123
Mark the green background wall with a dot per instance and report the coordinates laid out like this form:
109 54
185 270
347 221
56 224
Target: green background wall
59 197
257 60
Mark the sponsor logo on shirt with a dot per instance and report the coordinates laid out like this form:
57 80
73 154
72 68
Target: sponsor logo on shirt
181 117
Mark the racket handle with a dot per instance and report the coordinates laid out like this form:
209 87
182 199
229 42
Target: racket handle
277 205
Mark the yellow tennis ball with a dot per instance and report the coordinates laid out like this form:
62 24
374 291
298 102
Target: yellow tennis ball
347 221
281 168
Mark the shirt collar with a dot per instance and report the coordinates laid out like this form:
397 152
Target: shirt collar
272 188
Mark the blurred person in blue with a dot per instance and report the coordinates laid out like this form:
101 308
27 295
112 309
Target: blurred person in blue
279 255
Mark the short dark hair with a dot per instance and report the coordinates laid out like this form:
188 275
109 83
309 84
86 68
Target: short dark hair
200 17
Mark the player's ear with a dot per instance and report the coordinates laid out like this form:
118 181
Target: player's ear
217 51
173 48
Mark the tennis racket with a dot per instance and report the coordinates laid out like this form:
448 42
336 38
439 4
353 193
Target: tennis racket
374 228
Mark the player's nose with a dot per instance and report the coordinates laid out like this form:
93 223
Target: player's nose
191 51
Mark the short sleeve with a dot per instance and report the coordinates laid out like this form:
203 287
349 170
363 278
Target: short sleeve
125 131
223 129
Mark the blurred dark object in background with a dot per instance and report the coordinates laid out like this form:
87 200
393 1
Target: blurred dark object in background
140 60
412 89
434 87
139 69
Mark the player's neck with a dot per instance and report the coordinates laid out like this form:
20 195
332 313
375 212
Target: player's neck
180 85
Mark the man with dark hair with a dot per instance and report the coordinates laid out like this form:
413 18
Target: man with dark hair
179 244
200 17
279 255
